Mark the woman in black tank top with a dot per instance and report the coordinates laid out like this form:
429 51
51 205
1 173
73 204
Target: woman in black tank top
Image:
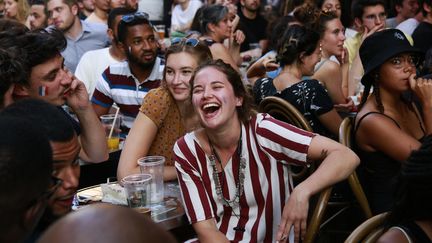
388 127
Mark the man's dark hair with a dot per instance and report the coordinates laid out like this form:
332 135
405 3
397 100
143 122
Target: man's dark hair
25 173
10 30
123 27
53 121
117 12
41 46
37 2
358 6
11 71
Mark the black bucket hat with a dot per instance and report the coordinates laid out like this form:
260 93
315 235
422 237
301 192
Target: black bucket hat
381 46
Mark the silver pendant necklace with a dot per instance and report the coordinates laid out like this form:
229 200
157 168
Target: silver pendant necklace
240 182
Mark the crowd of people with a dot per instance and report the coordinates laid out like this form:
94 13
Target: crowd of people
193 98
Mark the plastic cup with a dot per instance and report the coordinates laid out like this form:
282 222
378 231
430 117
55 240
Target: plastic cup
160 28
154 165
113 142
138 193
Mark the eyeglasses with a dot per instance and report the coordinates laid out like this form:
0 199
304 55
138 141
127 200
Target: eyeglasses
138 15
373 17
183 41
398 61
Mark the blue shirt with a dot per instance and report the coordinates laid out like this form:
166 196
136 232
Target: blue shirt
93 36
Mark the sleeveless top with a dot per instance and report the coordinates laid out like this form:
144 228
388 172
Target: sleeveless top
378 173
412 232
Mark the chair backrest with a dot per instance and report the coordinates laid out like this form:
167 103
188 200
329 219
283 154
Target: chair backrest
345 132
369 231
284 111
345 138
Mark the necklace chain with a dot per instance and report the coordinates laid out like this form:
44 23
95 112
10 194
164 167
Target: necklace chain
240 182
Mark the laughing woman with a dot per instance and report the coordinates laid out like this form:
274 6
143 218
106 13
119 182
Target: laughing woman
233 172
166 113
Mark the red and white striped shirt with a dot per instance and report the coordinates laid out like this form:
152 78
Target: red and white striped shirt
268 145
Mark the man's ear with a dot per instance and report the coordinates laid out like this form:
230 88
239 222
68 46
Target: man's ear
122 47
75 9
358 23
20 90
427 8
110 34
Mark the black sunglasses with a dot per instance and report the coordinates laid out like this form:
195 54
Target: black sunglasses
183 41
138 15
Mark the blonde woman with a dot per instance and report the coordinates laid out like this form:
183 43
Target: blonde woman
166 113
17 9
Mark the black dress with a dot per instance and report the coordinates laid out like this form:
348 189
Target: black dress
308 96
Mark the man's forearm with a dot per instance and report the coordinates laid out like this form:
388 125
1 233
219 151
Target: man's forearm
92 138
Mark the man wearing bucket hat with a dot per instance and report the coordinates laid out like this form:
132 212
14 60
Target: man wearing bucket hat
385 115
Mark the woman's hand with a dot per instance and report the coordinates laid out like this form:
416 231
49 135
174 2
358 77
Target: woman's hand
346 107
422 88
294 215
238 37
269 63
343 58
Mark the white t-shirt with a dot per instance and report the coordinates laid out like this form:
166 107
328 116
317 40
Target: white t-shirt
408 26
181 20
91 66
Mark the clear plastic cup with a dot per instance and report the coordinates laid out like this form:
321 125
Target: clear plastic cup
154 165
138 192
113 142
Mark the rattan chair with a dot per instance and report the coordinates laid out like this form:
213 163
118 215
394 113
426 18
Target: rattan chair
284 111
369 231
345 138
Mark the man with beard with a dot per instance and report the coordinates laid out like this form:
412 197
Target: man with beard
127 83
93 63
65 150
37 18
81 36
253 25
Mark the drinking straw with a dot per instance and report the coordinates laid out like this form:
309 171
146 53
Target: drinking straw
113 124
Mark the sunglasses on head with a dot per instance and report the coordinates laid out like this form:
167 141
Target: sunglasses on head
183 41
131 17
